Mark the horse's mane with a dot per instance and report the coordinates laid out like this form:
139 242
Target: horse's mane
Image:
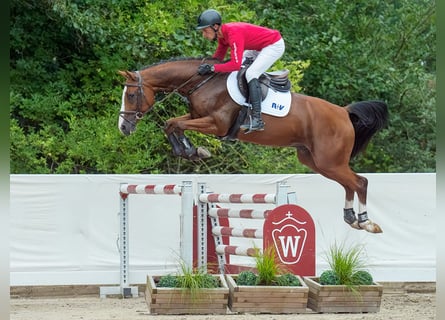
178 59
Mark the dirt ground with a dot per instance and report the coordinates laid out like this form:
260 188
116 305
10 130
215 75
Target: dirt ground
395 306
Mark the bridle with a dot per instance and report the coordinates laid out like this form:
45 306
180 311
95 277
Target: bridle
140 95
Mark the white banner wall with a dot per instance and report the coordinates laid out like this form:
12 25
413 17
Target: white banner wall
65 228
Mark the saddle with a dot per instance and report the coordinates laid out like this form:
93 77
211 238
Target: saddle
275 80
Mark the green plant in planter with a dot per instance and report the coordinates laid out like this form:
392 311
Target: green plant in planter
188 291
267 266
246 278
288 280
168 281
189 278
347 286
362 277
196 279
329 277
270 272
347 267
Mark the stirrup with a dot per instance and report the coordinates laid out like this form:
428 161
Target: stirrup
251 129
248 128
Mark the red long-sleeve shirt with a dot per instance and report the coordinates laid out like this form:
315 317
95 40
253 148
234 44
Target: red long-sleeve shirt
240 36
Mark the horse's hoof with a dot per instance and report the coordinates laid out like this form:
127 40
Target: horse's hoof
355 225
370 226
203 153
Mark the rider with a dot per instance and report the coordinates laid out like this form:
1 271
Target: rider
241 37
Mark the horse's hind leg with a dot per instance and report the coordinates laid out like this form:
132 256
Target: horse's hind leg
352 183
305 157
357 184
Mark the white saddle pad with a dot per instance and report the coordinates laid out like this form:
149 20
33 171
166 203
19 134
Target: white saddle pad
275 104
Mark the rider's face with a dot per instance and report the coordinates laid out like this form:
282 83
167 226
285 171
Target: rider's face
208 33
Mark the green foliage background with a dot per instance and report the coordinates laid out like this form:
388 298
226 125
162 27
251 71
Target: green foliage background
65 91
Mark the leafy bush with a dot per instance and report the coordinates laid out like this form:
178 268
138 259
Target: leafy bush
246 278
168 281
329 277
288 280
359 278
249 278
362 277
209 281
189 281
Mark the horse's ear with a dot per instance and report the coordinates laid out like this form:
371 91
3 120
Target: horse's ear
124 74
128 74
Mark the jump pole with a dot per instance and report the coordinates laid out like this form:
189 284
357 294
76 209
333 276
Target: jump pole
186 226
206 199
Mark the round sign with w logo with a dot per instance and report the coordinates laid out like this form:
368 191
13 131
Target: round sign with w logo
291 231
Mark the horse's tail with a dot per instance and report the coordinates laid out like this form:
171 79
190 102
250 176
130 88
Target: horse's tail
367 117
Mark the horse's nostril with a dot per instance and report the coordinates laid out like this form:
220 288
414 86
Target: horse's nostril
123 129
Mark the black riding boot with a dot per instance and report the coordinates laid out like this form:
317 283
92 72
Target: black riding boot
256 122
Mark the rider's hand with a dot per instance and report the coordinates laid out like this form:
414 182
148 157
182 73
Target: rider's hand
205 68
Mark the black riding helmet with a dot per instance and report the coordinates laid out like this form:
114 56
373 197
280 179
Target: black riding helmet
208 18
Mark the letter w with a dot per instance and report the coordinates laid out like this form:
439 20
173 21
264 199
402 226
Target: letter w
289 243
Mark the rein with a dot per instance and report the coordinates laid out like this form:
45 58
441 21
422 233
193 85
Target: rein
139 114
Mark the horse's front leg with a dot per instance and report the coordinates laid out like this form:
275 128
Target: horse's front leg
181 145
172 125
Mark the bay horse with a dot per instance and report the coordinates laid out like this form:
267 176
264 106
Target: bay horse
326 136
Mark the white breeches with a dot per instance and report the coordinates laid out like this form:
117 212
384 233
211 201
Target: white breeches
264 59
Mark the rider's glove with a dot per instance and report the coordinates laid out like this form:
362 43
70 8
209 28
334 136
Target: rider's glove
205 68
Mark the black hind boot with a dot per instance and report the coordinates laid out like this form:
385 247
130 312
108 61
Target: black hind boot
256 122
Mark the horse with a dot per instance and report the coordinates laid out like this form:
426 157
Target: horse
326 136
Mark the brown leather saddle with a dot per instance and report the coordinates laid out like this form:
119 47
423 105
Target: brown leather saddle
275 80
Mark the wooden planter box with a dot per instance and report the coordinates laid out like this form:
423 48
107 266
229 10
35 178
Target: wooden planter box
162 300
339 298
267 299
